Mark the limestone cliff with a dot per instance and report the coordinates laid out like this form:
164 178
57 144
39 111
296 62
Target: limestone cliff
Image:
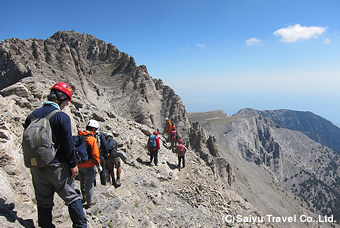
304 168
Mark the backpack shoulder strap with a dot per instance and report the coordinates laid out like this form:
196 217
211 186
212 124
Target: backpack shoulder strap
49 115
32 117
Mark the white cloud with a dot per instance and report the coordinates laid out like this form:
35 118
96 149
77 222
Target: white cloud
253 41
201 46
326 41
297 32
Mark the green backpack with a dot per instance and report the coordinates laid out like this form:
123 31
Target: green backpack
37 143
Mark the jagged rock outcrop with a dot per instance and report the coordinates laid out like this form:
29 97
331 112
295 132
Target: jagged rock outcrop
256 143
98 72
207 149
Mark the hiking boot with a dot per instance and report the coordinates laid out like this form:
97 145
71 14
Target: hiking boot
118 183
93 203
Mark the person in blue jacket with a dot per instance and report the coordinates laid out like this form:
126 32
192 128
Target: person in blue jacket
59 175
112 159
153 150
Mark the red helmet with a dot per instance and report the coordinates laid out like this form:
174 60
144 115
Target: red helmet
63 87
180 141
173 127
155 132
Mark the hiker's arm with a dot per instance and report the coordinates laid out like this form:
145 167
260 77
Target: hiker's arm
185 149
95 151
157 142
74 172
66 140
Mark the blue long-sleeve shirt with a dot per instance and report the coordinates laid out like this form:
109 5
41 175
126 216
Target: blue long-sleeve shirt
61 133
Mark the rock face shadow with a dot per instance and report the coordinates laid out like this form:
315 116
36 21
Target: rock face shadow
7 210
172 166
147 163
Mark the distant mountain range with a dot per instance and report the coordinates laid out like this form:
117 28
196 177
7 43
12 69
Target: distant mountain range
280 143
315 127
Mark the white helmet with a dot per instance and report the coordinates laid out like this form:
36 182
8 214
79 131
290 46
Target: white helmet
93 123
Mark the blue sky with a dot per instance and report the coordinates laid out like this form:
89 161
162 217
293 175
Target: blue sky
216 54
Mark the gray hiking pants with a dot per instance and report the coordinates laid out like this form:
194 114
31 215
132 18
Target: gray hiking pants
55 177
87 177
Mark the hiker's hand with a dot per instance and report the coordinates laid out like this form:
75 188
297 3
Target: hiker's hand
100 168
74 172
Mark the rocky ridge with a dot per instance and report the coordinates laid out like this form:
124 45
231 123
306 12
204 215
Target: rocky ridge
103 79
150 196
110 88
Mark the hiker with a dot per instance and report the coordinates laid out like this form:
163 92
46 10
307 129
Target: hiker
174 137
180 151
58 175
168 128
101 137
87 170
153 147
112 159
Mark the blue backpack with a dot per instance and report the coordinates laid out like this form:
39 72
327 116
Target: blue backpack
80 148
152 142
